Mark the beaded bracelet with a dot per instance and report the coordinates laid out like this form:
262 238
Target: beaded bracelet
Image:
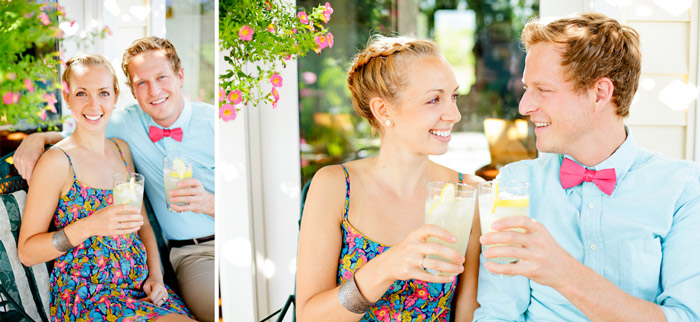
351 298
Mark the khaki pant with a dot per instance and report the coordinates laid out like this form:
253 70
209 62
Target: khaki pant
194 268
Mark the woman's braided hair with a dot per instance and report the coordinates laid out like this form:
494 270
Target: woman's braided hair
379 70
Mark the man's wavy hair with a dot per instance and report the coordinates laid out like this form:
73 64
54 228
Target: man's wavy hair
595 46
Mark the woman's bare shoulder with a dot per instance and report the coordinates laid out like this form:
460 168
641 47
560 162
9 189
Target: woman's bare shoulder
451 175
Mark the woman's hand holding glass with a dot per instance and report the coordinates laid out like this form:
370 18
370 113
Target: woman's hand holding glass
115 220
407 260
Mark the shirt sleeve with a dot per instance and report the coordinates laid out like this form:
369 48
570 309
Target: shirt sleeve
501 297
680 267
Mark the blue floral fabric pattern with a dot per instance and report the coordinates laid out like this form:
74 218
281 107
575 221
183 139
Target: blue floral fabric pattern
411 300
100 279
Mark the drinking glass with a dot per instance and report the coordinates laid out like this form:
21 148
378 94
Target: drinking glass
450 206
175 169
128 190
501 199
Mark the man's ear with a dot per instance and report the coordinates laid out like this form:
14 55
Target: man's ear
603 89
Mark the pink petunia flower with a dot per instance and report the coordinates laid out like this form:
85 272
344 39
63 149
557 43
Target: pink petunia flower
222 94
50 102
309 77
10 98
29 85
303 18
275 94
321 41
276 80
271 27
330 40
246 33
42 115
294 30
227 112
268 5
235 97
106 29
44 19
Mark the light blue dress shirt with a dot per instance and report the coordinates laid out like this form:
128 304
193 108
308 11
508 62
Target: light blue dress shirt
644 238
197 122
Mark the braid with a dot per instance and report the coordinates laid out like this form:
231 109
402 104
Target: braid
374 71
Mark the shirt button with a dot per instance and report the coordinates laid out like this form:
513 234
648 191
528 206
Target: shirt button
591 205
594 246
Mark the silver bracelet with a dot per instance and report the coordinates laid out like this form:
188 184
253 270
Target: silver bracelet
60 241
351 298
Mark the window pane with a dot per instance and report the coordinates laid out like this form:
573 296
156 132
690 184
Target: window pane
190 27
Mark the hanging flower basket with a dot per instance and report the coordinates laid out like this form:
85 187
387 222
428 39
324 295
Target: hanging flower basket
256 38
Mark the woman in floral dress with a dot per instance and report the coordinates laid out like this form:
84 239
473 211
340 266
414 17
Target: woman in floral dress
106 261
362 251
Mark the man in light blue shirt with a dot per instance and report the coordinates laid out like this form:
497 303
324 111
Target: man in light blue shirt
617 248
165 124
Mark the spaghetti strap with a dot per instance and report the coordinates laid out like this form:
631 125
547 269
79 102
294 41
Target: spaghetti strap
461 177
69 162
121 154
347 192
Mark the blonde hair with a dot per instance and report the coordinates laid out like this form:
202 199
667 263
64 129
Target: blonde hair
150 43
377 70
89 60
595 46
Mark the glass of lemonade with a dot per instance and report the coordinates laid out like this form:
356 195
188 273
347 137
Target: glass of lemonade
501 199
175 169
128 190
450 206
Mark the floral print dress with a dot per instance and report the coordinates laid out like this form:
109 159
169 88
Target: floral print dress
411 300
100 279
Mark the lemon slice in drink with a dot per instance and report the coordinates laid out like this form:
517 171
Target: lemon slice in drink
447 195
180 167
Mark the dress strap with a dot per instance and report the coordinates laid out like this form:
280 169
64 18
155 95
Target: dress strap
121 154
69 162
347 192
461 178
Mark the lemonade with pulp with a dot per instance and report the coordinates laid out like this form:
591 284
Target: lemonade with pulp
174 171
497 203
452 210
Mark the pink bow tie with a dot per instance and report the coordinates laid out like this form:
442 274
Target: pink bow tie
571 174
156 133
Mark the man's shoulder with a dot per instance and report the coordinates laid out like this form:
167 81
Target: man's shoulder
203 112
662 163
541 163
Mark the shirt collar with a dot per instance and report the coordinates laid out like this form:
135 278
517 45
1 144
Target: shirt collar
182 121
621 160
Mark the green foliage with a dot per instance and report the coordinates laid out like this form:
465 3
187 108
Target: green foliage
27 52
30 60
278 34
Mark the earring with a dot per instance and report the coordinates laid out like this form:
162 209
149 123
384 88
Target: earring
387 123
